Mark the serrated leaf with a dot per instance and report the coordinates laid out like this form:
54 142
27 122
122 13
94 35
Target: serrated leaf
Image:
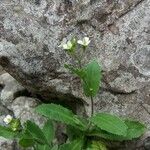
91 79
110 123
96 145
105 135
135 129
7 133
59 113
26 142
36 132
74 145
76 71
49 131
26 139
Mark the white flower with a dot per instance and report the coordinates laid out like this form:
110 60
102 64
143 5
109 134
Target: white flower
8 119
68 45
84 42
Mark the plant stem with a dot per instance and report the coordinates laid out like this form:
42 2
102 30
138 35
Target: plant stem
92 112
92 106
34 147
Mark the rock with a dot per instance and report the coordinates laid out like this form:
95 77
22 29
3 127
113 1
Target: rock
125 83
3 113
147 144
23 108
1 70
11 89
141 60
119 30
6 144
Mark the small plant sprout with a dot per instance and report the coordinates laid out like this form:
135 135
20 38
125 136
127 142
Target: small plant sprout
15 125
85 42
8 119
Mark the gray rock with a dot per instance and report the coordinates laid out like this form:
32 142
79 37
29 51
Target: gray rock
11 89
125 83
23 108
6 144
147 144
32 30
1 70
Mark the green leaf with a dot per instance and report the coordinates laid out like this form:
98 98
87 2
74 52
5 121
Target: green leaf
92 79
15 125
49 131
74 145
65 147
43 147
26 142
73 133
36 132
7 133
55 147
26 139
110 123
76 71
135 129
59 113
96 145
105 135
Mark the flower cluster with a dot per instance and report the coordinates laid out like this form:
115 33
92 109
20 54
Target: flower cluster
70 44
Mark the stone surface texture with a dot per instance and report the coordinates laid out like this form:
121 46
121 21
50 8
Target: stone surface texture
11 88
16 105
23 108
120 40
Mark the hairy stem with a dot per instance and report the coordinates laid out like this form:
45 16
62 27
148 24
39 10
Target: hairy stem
92 106
92 112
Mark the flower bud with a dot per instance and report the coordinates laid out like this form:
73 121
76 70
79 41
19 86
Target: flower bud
8 119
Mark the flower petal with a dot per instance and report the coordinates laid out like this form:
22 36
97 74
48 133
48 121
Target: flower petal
69 44
65 46
86 39
80 42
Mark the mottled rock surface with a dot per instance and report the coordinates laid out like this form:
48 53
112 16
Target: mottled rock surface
6 144
1 70
11 89
120 32
14 103
23 108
